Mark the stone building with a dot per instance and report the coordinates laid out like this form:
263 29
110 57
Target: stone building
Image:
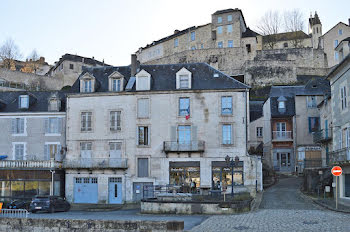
69 67
38 67
339 79
131 127
32 143
343 49
290 118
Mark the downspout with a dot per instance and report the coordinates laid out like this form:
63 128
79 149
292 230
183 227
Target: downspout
246 120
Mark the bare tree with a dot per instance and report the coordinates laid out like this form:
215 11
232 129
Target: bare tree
294 22
268 26
34 56
9 52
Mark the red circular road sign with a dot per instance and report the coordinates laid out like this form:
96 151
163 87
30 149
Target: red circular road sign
337 171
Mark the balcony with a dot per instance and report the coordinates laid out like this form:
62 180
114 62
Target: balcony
282 136
192 146
30 164
322 136
340 156
96 163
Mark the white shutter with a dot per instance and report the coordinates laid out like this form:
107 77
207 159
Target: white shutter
46 152
13 126
46 126
21 131
58 155
59 122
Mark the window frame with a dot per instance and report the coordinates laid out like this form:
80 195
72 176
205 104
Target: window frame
222 109
146 136
182 132
229 18
176 42
219 30
49 121
19 120
84 124
118 86
193 35
229 28
343 97
24 144
147 172
21 101
182 111
115 125
311 102
227 142
310 122
148 107
219 19
220 44
230 43
340 31
259 132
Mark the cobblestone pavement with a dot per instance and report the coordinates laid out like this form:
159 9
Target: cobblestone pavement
282 209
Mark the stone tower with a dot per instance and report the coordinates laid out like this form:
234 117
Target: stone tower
315 29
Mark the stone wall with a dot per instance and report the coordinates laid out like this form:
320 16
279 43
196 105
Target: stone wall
29 79
54 225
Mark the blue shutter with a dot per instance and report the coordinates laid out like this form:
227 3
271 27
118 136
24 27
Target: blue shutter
13 126
309 125
59 122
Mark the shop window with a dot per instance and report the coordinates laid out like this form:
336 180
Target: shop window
222 175
183 174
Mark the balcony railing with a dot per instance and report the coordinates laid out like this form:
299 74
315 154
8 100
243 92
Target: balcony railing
95 163
191 146
30 164
322 136
340 156
282 135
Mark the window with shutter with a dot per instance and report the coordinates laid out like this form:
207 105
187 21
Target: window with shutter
115 120
226 105
18 126
86 124
143 134
142 167
115 150
19 151
143 108
85 150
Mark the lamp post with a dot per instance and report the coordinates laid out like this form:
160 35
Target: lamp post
231 163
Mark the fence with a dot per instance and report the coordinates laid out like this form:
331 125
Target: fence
14 213
152 191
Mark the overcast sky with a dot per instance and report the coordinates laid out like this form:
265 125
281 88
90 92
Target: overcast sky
114 29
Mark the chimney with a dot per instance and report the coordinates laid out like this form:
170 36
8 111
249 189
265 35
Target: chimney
135 65
176 31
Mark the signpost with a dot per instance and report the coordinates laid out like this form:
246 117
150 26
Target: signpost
336 171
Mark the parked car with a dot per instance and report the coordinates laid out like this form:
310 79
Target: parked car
18 204
49 203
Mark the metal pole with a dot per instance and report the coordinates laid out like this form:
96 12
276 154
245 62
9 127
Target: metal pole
232 178
336 192
51 189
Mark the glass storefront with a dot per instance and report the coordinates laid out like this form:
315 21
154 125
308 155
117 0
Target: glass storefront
222 175
24 189
184 173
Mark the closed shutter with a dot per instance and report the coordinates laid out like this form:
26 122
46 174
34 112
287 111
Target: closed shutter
58 154
194 133
47 152
142 167
13 126
173 134
46 126
59 126
143 108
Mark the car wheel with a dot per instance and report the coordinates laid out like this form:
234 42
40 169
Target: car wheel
33 211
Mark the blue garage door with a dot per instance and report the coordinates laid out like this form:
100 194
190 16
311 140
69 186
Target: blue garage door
85 190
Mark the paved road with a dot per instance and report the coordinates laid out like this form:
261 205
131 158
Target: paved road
189 220
282 209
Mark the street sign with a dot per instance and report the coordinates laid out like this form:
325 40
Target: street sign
337 171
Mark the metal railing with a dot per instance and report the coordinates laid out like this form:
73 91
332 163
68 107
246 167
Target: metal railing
282 135
323 135
14 213
31 164
190 146
154 191
341 155
95 163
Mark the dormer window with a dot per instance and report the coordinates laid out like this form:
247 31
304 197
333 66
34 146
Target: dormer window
183 79
281 104
54 104
87 83
116 82
143 80
24 102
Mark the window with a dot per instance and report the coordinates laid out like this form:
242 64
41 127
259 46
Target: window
314 124
226 105
229 18
336 56
86 121
230 44
116 85
281 131
220 44
142 167
184 106
281 105
85 150
219 30
219 19
18 126
19 151
202 46
285 45
51 150
71 66
193 48
193 35
143 108
53 125
142 82
226 134
343 97
54 104
184 82
143 135
335 43
87 86
340 31
229 28
248 46
184 134
176 42
115 150
114 117
311 101
259 132
24 102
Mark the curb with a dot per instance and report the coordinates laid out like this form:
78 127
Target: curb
257 201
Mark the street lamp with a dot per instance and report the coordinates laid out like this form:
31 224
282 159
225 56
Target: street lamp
231 163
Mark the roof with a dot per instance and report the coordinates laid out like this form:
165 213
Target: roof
249 33
76 58
38 101
255 110
338 66
286 36
334 27
163 77
289 107
226 11
176 34
344 40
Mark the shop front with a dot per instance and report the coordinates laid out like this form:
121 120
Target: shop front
185 174
222 175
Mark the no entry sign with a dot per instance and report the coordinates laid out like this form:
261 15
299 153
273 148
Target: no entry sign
337 171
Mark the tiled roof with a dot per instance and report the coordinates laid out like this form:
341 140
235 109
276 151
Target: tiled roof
38 101
255 109
163 77
289 107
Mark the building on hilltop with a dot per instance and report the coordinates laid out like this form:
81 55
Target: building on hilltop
69 67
